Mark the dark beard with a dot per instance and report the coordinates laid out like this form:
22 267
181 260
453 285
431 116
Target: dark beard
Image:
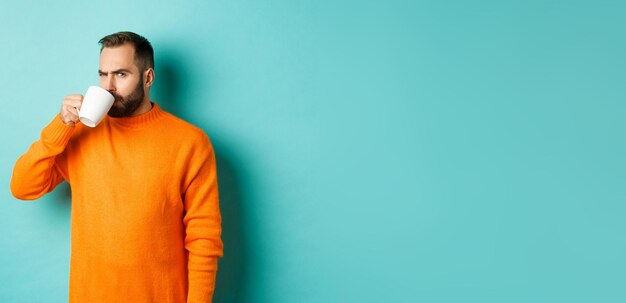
126 106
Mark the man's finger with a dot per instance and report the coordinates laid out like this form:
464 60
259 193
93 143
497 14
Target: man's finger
72 110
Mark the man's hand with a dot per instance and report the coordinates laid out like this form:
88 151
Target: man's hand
69 114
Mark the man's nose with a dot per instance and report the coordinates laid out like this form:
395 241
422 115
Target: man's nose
109 83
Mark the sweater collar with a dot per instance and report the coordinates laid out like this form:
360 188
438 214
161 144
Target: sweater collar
139 121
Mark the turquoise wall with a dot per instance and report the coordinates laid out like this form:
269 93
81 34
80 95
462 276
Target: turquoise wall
388 151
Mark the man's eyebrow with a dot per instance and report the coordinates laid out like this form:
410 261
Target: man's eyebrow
123 70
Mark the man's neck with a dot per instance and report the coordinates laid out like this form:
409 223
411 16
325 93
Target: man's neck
146 106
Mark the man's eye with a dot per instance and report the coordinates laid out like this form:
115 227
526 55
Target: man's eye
121 74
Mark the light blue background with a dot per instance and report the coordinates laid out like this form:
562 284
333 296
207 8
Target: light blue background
388 151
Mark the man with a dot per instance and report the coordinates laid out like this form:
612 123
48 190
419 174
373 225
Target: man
146 225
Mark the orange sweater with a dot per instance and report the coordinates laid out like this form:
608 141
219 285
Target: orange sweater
146 225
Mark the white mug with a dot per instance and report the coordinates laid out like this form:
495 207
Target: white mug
96 104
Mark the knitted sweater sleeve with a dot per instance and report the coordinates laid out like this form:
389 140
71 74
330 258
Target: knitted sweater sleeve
202 223
36 173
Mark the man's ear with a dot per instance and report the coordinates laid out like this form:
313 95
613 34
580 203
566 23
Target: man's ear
148 77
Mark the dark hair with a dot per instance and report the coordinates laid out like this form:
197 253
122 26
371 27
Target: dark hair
144 55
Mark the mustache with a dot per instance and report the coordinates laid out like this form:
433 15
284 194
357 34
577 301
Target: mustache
117 97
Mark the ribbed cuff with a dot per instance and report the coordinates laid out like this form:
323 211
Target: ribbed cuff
57 133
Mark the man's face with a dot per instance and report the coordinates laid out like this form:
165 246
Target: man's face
122 78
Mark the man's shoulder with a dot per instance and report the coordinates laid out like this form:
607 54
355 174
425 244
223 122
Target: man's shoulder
181 128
